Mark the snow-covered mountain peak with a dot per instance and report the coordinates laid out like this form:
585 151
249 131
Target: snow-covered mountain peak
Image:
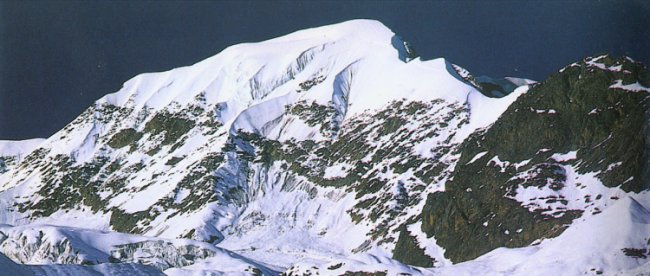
333 150
177 146
350 67
358 30
275 61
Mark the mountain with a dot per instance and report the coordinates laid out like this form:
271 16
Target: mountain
337 150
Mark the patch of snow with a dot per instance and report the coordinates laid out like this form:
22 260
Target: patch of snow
431 248
182 194
616 68
520 81
564 157
632 87
584 192
484 111
613 166
495 161
337 171
477 157
594 62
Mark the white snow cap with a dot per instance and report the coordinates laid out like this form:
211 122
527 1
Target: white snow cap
360 64
247 60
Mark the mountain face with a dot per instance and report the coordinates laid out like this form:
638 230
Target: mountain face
336 150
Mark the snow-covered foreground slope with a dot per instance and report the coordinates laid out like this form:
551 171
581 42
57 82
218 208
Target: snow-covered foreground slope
335 150
11 268
45 244
607 243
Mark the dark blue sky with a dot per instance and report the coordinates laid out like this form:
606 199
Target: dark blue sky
56 58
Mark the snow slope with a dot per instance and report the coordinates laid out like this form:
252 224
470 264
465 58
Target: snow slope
12 152
15 148
593 245
44 244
